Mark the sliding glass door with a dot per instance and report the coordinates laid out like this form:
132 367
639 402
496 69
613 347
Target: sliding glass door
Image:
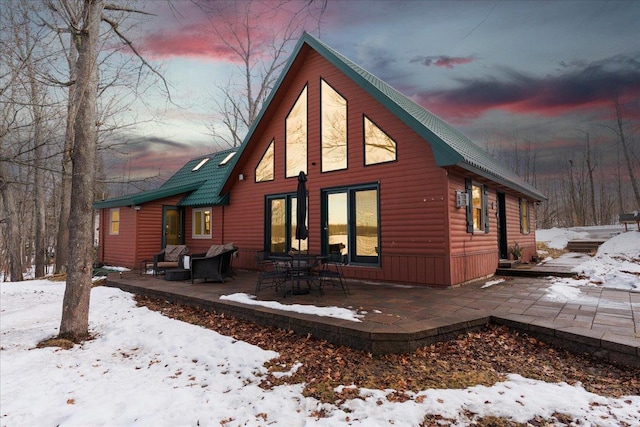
281 224
350 217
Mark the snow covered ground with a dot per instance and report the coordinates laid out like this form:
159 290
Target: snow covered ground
616 264
144 369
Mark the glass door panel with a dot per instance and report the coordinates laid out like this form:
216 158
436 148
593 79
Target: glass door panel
278 240
281 225
366 223
172 224
337 224
351 223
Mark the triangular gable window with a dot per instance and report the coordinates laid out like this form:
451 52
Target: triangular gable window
378 146
265 168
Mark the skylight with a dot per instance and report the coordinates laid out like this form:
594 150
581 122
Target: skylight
226 159
199 165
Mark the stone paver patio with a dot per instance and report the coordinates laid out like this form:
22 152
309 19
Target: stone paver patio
399 318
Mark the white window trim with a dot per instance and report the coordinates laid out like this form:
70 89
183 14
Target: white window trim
193 223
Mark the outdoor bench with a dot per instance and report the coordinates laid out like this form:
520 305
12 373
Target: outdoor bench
630 218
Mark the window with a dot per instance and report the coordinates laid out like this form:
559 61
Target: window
333 129
201 223
351 223
114 221
281 224
199 165
227 158
378 147
478 208
265 168
525 222
296 137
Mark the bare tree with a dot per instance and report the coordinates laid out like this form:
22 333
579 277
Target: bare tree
9 219
75 306
626 151
591 187
83 23
246 30
36 95
62 241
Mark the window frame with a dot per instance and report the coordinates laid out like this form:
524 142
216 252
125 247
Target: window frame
114 222
525 216
203 222
484 209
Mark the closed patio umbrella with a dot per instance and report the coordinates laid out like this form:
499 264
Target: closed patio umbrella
301 209
301 222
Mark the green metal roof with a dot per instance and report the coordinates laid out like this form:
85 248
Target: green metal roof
202 186
450 147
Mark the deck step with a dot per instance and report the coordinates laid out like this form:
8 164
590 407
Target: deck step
584 245
532 272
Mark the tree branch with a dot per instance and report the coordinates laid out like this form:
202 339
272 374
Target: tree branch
114 27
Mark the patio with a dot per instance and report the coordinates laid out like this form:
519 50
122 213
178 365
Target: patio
397 318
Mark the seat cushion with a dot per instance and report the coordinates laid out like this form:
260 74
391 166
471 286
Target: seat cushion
168 264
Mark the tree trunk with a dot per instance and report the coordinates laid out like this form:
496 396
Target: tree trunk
39 204
75 309
627 156
62 245
592 189
13 238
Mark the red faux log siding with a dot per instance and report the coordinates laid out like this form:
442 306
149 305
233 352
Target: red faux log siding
119 249
413 191
140 234
149 239
473 255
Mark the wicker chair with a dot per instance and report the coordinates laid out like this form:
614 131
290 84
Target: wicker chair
215 265
170 257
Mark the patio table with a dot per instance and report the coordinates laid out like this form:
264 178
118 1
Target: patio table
300 268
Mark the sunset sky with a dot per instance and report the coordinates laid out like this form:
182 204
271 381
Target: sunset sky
541 72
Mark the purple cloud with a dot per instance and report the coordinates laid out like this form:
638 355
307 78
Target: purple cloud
591 86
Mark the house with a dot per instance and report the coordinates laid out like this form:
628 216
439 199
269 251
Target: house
133 228
400 193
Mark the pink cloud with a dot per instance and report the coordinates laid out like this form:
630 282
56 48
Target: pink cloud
188 42
201 34
443 61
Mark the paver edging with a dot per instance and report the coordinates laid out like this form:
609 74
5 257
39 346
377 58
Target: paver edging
577 340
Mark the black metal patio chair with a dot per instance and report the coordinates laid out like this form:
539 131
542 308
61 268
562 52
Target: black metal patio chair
331 273
272 274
